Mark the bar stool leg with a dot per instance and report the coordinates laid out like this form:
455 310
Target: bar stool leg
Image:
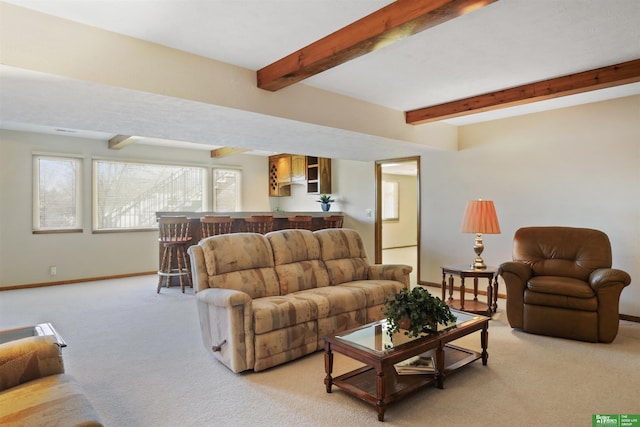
180 268
163 267
187 266
169 266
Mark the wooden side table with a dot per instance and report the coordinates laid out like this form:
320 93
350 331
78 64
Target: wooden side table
472 306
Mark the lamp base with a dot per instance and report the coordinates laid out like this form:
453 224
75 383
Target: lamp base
478 264
478 247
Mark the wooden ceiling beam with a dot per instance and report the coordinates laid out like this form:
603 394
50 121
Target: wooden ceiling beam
390 24
227 151
600 78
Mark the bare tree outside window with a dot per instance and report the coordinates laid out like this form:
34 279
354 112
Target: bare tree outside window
128 195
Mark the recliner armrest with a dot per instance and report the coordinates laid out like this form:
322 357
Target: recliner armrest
520 269
608 276
27 359
399 272
221 297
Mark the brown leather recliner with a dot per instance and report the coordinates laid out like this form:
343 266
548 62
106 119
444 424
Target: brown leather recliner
560 283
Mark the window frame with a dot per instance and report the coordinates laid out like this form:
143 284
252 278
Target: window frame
390 201
36 227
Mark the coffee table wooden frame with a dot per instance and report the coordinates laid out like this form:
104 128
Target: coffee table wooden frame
378 384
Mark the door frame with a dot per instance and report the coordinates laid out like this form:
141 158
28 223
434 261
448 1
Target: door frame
378 222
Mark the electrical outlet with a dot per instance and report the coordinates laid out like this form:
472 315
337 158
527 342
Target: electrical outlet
368 212
53 270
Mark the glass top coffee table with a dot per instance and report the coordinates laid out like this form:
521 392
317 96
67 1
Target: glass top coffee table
378 383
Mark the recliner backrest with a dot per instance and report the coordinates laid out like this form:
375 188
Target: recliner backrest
344 255
296 254
241 261
562 251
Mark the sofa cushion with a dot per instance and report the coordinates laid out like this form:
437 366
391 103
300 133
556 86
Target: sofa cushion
344 255
376 291
297 260
560 301
333 300
242 262
561 292
564 286
277 312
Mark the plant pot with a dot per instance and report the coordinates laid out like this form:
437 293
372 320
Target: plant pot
404 324
325 206
429 327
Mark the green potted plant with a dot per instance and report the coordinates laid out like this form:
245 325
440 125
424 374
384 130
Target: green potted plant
325 201
415 311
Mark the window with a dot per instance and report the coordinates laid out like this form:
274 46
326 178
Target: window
56 194
226 190
128 195
390 201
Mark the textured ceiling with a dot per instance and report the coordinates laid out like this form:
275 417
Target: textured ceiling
505 44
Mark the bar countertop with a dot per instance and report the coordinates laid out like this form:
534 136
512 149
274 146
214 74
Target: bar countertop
245 214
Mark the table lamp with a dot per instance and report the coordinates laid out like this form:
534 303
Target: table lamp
480 218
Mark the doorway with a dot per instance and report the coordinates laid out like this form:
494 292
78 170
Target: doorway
397 227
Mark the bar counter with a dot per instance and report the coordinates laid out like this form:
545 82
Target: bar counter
280 219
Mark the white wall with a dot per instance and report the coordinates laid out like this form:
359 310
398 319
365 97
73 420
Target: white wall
577 166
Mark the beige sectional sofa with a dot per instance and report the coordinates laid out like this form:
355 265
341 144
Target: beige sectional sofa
35 391
266 300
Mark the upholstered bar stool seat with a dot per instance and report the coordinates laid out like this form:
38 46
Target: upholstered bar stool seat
175 236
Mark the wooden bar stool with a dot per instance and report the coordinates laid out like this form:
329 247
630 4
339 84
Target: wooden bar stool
300 221
214 225
262 224
175 236
333 221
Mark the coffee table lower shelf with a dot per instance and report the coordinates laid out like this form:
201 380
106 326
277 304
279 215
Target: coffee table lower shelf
361 382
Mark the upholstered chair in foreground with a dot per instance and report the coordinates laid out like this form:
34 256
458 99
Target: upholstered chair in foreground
560 283
36 391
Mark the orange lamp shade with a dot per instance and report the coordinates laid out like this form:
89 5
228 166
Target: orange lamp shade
480 217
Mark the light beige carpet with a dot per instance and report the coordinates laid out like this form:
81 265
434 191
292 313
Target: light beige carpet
140 358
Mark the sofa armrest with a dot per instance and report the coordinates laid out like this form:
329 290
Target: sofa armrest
399 272
223 298
29 358
226 323
199 275
521 270
608 277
